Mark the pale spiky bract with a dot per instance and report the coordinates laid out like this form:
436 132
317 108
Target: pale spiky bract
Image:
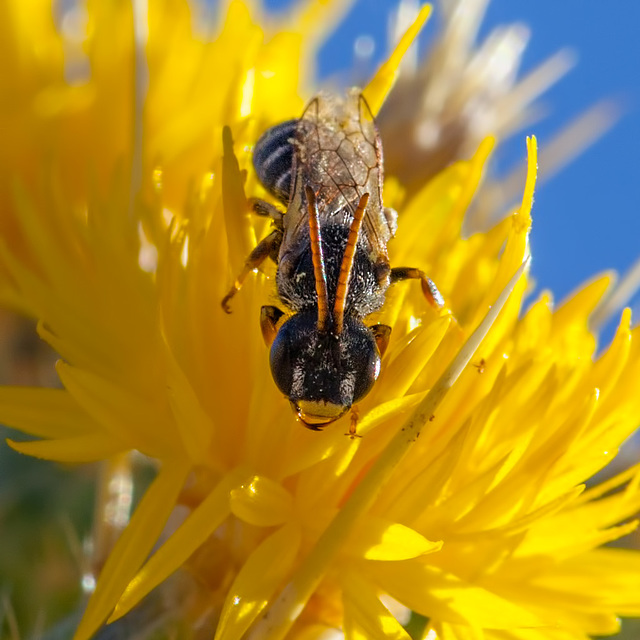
481 524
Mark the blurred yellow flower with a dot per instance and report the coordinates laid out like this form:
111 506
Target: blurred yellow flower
125 220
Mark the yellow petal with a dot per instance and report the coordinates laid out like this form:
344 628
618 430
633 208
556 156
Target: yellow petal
306 451
579 305
129 419
610 365
261 574
193 425
132 547
523 217
444 631
439 196
261 502
200 524
377 539
475 168
48 413
241 240
434 593
612 576
317 485
516 250
86 448
384 79
520 524
365 617
410 359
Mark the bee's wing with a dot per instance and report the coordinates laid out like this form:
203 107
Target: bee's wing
338 154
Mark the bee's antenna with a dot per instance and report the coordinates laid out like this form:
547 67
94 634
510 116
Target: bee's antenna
347 264
318 260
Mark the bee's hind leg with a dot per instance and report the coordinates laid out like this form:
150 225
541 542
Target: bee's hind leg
268 247
431 293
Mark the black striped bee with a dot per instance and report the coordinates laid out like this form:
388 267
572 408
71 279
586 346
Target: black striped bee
330 246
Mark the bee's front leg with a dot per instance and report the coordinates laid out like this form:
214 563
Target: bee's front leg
353 423
269 246
431 293
268 210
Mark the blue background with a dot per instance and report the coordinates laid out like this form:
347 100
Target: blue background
586 217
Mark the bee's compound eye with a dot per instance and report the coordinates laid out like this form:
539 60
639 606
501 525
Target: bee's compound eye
366 361
291 349
282 362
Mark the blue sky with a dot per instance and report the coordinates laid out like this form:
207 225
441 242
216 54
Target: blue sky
587 217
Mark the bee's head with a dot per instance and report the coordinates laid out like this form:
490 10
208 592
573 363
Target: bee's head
323 374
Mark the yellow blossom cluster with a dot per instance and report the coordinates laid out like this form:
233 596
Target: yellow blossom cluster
125 219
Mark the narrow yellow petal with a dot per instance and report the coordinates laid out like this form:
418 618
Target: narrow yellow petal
452 229
256 582
240 239
85 448
382 82
611 364
129 419
386 411
517 247
523 216
261 502
193 424
444 631
574 531
580 304
375 538
306 452
133 547
613 576
434 593
533 330
399 499
399 374
365 617
553 594
47 413
200 524
465 501
608 486
439 196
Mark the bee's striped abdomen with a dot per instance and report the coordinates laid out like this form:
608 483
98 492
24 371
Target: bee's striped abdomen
273 157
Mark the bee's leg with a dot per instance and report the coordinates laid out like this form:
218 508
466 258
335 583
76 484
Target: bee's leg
269 246
355 414
382 335
391 216
431 293
269 316
268 210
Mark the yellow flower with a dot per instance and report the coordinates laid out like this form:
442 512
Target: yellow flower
125 223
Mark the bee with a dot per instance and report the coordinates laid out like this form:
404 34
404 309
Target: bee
330 247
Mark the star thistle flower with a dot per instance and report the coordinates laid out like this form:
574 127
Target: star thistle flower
126 219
